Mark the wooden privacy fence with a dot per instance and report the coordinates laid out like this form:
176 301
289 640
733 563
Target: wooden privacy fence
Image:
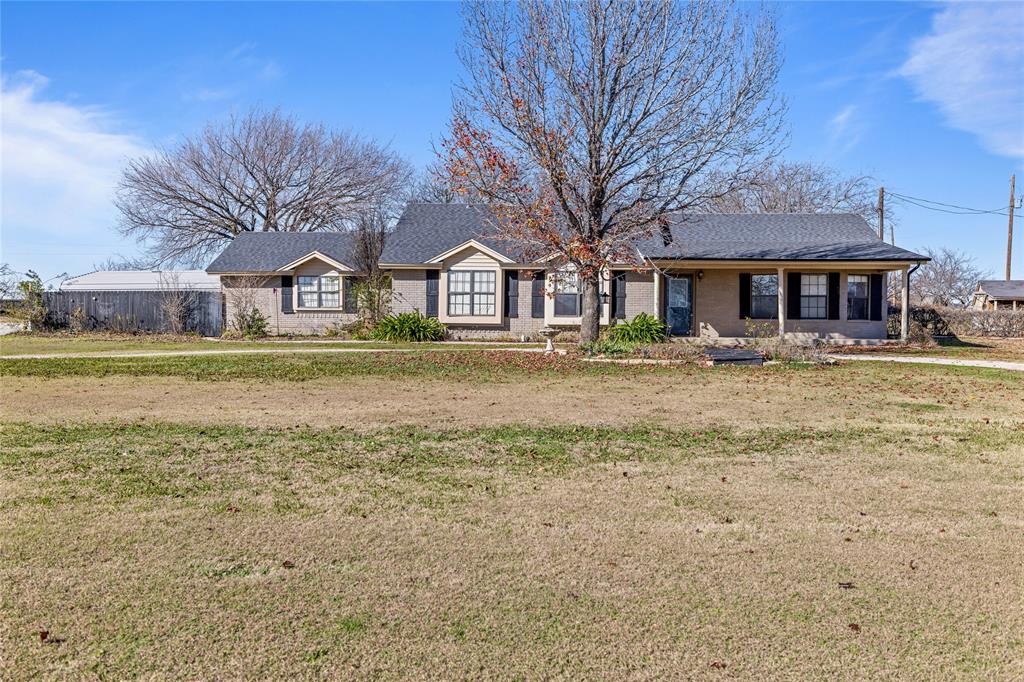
134 310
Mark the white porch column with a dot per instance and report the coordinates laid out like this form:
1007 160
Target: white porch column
782 303
656 278
905 306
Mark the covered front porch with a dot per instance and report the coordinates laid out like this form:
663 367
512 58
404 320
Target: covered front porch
838 302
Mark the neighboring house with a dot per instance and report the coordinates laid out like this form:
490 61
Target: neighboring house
719 276
999 294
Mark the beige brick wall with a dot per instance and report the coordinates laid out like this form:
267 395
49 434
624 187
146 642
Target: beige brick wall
408 291
640 294
267 297
717 309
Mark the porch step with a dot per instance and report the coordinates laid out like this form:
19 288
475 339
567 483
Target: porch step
733 356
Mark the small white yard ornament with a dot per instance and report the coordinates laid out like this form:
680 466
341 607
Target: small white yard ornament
549 334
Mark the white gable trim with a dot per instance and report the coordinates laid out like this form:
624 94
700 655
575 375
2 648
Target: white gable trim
471 244
315 254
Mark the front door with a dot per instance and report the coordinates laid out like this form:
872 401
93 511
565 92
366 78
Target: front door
679 305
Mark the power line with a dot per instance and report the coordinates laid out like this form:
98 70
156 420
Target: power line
942 207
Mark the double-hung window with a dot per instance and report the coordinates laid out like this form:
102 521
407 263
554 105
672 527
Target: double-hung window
319 292
814 296
857 289
471 292
567 294
764 297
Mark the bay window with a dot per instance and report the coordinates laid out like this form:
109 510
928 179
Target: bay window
471 293
319 291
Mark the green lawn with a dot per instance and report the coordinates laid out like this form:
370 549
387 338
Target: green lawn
502 515
33 344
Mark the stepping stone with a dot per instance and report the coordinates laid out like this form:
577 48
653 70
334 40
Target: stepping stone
733 356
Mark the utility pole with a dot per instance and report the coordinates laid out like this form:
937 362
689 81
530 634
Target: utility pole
881 213
892 236
1009 232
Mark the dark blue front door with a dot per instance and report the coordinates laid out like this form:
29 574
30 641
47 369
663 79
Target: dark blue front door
679 305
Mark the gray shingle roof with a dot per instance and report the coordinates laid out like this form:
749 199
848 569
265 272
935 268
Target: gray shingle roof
270 251
773 236
426 230
1001 288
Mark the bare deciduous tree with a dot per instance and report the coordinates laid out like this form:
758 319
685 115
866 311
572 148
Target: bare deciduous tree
178 302
259 172
949 279
120 263
435 187
241 293
783 187
587 123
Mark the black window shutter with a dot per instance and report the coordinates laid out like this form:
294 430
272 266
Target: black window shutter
348 302
833 295
511 293
744 295
433 280
793 295
619 296
877 291
537 295
286 294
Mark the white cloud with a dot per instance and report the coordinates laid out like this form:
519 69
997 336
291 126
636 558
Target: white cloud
845 128
60 166
971 65
237 71
60 162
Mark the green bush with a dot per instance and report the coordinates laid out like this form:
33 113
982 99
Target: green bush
642 329
252 324
409 327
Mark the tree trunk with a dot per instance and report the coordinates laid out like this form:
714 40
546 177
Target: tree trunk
590 318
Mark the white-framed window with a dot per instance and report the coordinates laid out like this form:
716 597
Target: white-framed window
323 291
764 297
814 296
568 296
857 289
471 292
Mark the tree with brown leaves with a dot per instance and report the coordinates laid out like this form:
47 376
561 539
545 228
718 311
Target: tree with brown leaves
586 124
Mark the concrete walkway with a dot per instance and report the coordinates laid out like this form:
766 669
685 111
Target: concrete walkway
259 351
953 362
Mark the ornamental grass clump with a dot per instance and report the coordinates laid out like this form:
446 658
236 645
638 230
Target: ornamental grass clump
408 328
642 329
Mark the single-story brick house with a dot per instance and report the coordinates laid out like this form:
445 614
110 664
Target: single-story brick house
999 294
818 276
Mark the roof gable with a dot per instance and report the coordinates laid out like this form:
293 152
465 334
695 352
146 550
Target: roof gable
273 251
315 255
471 244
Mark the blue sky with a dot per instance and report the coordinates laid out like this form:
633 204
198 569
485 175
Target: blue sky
928 98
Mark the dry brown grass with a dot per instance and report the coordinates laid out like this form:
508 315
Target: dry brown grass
853 394
719 543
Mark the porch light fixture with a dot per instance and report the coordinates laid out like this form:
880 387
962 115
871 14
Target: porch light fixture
700 274
605 297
